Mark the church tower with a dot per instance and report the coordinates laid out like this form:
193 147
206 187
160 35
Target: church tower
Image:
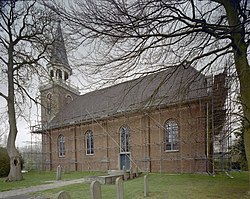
57 92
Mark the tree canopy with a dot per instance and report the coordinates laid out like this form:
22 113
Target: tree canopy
159 34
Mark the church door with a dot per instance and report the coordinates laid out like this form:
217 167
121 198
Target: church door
125 161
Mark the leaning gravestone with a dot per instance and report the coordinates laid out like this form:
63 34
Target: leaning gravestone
119 188
63 195
95 190
59 173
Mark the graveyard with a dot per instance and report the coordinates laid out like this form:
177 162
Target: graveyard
151 185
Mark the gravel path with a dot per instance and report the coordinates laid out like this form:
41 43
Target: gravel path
22 193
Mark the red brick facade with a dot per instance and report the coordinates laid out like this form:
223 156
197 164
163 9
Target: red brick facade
146 142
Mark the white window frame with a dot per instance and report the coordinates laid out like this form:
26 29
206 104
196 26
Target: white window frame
171 136
89 142
48 109
124 139
61 146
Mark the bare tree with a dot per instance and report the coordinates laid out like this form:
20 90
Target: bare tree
122 35
25 28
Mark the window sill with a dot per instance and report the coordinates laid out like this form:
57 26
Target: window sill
90 154
61 156
171 151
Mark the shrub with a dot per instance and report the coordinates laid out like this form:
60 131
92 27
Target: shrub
4 162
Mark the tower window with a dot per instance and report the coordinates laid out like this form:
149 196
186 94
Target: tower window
69 99
51 73
59 74
66 76
49 104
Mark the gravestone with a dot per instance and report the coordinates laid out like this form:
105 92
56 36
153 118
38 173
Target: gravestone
63 195
59 173
95 190
145 185
131 173
119 188
124 173
136 172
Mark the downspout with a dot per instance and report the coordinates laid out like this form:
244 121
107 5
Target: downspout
149 149
75 160
207 140
50 151
107 144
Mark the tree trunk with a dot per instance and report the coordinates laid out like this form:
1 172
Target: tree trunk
242 68
244 78
15 173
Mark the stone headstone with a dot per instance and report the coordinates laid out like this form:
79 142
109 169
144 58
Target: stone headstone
145 185
119 188
131 173
136 172
63 195
124 173
59 173
95 190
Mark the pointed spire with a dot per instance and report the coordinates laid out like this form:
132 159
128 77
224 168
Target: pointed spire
59 54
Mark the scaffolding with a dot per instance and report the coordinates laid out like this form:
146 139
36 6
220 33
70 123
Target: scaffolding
223 141
219 135
32 153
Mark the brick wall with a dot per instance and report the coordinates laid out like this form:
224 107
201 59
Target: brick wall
147 151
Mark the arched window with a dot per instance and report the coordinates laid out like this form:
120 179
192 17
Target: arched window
69 98
89 139
51 73
124 139
49 104
66 76
61 146
59 74
171 135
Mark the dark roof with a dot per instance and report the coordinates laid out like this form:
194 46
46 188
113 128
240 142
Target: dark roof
163 88
59 54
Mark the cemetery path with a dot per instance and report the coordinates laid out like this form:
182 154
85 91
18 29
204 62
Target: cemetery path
20 193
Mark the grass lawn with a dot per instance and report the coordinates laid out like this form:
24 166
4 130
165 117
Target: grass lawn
37 178
161 186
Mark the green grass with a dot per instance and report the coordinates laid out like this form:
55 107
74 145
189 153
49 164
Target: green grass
37 178
161 186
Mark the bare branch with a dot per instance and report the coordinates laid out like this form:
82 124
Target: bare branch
4 96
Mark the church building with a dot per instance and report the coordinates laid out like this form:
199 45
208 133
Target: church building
160 122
